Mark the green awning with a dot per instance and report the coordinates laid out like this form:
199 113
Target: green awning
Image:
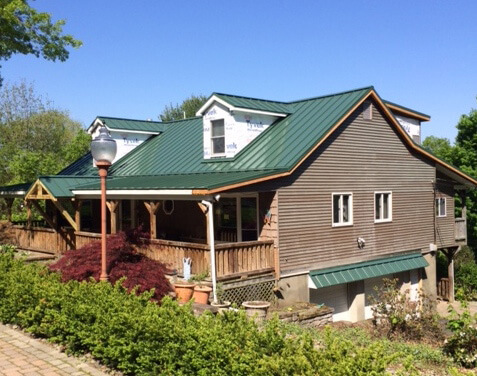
368 269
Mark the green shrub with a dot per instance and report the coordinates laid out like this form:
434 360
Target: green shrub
396 315
462 346
466 280
138 337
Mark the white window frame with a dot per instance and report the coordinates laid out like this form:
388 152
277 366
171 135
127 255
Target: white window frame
216 137
438 206
350 217
390 208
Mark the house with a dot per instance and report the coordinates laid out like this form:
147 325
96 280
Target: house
313 200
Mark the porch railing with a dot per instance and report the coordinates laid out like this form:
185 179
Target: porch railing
460 229
232 259
443 288
42 239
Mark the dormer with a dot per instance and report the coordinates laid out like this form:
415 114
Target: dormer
230 123
410 120
127 133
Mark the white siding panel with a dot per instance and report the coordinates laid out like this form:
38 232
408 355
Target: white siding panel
335 297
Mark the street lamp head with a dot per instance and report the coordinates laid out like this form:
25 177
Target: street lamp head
103 147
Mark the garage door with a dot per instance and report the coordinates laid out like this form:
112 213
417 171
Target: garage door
335 297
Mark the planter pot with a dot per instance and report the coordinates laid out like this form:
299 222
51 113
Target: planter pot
222 307
184 291
256 309
201 294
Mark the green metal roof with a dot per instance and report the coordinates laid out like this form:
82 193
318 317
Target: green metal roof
186 181
179 150
60 185
83 166
255 104
16 190
133 125
369 269
406 109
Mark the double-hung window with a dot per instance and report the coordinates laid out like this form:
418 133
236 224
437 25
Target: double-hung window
441 207
342 209
383 207
218 137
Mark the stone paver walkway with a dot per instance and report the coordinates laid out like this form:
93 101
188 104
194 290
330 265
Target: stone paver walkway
22 355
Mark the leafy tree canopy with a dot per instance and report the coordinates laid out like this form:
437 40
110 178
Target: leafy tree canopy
24 30
186 109
36 139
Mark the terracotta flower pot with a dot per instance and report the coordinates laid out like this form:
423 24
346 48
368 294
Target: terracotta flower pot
256 309
201 294
184 291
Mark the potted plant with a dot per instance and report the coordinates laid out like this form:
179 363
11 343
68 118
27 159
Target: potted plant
201 292
256 309
221 304
184 290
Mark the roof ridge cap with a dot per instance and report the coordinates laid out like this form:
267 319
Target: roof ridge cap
252 98
333 94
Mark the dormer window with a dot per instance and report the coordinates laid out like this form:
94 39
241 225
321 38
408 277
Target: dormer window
218 137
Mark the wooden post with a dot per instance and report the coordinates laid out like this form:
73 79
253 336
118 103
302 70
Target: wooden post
113 206
9 202
152 207
133 214
450 273
77 205
463 198
28 208
204 210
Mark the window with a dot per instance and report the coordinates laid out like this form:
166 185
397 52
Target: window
218 137
342 209
383 207
236 219
441 207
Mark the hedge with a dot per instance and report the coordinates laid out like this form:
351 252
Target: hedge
132 334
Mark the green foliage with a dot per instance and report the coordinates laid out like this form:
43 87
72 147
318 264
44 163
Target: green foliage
466 280
464 256
462 346
36 139
136 336
24 30
396 315
186 109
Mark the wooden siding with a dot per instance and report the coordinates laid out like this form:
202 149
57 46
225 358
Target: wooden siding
362 157
445 226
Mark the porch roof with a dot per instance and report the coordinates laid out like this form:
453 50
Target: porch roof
369 269
16 190
60 186
183 181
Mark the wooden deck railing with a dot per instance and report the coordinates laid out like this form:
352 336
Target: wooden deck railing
460 229
232 259
42 239
443 288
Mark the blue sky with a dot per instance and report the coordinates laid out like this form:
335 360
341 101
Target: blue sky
139 56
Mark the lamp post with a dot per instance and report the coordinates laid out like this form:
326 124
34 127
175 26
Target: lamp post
103 150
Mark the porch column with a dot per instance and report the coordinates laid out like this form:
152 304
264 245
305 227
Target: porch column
28 208
204 210
113 206
9 202
133 214
450 253
77 205
152 207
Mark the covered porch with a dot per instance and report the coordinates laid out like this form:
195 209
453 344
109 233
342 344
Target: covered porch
245 226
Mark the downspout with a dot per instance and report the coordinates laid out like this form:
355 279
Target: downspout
210 218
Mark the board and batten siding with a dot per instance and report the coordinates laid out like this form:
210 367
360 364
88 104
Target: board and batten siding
361 157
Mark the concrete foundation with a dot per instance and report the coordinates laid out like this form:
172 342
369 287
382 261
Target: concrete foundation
356 301
429 279
292 290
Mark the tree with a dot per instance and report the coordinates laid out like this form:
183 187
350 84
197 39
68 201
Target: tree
36 139
187 109
24 30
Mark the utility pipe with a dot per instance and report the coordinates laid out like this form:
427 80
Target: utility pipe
210 218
